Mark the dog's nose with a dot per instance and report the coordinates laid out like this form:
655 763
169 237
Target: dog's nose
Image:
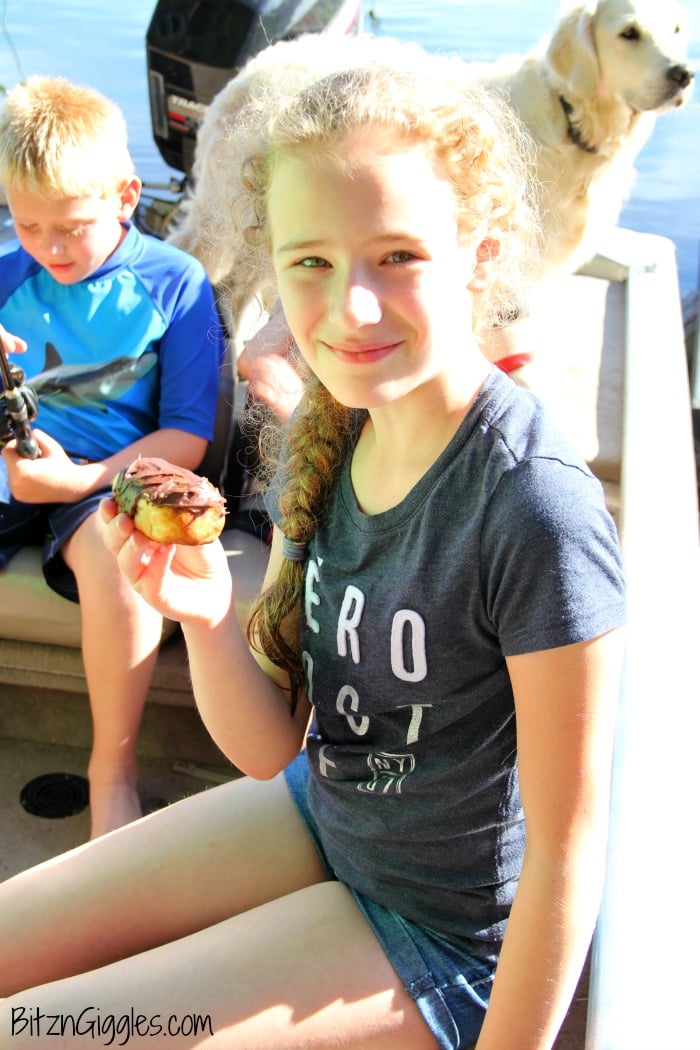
680 75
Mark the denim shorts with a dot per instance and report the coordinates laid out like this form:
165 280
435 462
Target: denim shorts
46 525
450 988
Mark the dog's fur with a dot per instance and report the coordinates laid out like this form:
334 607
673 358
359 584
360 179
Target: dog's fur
614 64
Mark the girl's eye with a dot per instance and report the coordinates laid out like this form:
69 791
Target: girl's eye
77 231
401 255
312 262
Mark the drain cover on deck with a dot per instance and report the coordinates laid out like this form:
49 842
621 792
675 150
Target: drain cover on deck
55 795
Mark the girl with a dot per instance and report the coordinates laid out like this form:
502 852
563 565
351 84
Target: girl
434 663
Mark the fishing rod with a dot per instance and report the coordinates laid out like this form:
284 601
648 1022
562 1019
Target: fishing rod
16 397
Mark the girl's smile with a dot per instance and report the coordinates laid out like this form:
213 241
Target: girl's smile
360 355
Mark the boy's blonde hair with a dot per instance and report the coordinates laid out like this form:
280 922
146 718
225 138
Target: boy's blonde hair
477 143
62 140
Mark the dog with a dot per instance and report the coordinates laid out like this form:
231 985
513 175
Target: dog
589 95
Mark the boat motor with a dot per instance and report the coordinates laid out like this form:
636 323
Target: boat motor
194 47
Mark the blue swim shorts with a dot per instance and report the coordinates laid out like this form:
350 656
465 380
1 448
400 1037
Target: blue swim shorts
46 525
450 988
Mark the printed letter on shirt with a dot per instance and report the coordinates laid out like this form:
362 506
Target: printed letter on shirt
408 629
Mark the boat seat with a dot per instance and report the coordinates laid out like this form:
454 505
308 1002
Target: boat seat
31 612
575 331
40 630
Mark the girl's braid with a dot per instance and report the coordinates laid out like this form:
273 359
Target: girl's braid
316 445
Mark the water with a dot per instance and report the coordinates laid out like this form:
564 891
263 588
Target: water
103 44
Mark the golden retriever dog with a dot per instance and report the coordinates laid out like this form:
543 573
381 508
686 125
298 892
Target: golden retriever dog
589 95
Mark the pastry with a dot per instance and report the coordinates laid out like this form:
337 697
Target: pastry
169 504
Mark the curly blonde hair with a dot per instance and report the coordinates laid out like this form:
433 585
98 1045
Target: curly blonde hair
478 144
59 140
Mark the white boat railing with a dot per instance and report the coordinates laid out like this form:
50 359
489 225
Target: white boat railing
645 977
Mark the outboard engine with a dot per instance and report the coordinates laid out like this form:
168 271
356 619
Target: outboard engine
194 47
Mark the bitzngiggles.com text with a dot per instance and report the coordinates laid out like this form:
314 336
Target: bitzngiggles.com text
106 1029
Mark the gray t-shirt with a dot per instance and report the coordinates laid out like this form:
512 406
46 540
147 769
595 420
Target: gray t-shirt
503 547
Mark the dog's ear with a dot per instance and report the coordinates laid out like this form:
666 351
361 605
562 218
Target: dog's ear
571 52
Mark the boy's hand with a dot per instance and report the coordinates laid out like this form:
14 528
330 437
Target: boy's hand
268 363
52 478
275 381
13 343
187 584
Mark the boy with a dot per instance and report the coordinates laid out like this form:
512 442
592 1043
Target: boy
121 341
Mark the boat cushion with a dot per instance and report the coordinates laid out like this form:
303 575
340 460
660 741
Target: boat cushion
30 611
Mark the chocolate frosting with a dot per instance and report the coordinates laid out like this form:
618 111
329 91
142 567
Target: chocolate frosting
164 484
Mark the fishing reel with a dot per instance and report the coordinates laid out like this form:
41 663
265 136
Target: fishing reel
19 405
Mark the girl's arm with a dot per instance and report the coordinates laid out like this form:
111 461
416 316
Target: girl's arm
566 702
241 696
257 732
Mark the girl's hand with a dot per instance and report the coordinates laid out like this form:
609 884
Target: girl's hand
52 478
187 584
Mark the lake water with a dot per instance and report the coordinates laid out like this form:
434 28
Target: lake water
104 44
